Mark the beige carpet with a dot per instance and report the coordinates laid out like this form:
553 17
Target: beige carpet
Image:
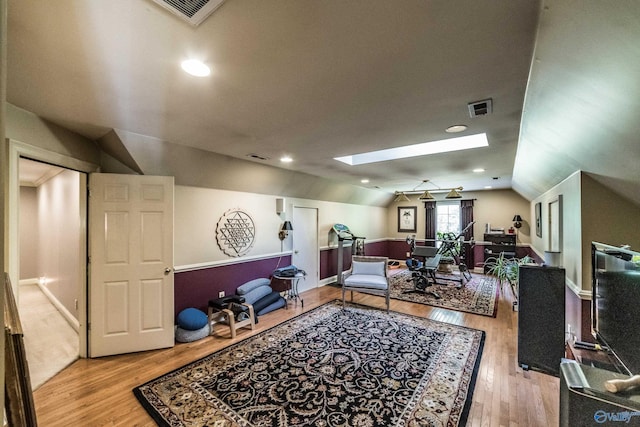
50 342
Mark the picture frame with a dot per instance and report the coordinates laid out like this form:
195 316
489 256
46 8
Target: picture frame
407 219
555 225
539 219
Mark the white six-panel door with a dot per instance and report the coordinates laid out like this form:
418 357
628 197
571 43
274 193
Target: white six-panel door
131 263
305 245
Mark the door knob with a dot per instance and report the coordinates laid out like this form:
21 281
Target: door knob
167 270
296 252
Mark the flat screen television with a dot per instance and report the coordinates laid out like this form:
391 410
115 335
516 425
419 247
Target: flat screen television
616 304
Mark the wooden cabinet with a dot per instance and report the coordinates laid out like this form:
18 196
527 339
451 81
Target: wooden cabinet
496 244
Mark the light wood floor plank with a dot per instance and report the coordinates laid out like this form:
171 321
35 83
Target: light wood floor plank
98 392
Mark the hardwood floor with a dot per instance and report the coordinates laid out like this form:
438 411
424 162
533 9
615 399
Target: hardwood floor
98 392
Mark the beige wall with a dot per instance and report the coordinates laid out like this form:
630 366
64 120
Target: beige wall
26 127
590 212
59 237
199 168
197 211
570 256
606 218
4 178
496 207
28 233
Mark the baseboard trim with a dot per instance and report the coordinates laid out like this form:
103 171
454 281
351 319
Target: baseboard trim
61 308
25 282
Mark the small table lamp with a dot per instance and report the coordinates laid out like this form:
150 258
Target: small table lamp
517 221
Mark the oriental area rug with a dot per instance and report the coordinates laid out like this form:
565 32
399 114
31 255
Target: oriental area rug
327 367
478 296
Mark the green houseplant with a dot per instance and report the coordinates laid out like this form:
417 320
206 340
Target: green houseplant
506 270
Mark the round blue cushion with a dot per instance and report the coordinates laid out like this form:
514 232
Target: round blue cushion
192 319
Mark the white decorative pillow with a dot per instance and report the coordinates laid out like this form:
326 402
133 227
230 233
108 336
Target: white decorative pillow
371 268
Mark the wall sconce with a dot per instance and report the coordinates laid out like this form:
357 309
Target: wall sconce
284 231
517 219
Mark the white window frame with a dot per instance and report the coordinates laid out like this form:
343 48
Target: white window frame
448 203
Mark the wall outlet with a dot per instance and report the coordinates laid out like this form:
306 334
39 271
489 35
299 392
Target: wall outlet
571 335
408 254
221 294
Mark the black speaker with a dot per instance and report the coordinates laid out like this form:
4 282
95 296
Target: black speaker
584 401
541 320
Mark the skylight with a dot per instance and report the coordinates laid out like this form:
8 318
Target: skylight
415 150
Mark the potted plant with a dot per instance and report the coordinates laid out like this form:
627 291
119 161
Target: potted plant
506 271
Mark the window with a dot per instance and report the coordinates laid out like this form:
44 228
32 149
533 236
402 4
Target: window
448 220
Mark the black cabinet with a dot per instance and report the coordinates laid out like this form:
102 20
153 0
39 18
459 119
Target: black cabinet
541 319
497 244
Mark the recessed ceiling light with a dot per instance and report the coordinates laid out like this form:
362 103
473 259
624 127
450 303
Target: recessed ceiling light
478 170
195 68
416 150
286 159
364 181
456 128
487 187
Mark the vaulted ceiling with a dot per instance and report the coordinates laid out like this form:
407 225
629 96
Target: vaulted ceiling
321 79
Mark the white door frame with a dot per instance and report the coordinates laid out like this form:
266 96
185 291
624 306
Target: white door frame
19 149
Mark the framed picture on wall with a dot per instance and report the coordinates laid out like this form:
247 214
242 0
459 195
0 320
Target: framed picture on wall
539 219
555 225
407 219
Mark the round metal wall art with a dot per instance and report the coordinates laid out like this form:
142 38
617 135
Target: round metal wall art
235 232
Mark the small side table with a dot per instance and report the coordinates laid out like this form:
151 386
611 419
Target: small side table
291 287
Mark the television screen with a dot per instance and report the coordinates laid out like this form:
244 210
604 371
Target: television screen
616 303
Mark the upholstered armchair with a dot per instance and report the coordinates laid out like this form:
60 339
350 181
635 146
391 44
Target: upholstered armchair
368 274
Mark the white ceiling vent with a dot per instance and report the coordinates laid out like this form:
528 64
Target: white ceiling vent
480 108
192 11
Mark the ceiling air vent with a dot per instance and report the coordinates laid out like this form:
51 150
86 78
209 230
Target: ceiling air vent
257 156
192 11
480 108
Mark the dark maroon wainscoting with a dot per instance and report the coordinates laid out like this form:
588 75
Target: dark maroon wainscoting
329 257
398 249
521 251
196 287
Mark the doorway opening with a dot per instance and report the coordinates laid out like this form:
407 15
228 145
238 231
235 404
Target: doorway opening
52 265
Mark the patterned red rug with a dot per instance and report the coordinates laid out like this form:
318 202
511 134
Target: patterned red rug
478 296
328 367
